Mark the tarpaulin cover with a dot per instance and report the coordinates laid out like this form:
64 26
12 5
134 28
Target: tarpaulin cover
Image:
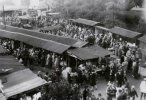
21 81
35 41
124 32
90 52
59 39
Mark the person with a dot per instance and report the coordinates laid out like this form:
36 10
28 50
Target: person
125 95
143 89
133 93
119 78
119 95
110 92
100 97
93 80
85 94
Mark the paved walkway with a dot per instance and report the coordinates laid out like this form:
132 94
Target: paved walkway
102 85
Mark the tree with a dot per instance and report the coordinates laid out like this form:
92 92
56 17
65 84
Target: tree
133 3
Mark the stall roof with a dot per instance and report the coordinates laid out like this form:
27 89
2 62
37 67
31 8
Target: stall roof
55 13
9 62
59 39
124 32
90 52
21 81
85 22
35 41
142 39
102 28
24 17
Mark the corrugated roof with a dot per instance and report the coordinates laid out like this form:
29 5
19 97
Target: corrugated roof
85 22
143 39
59 39
90 52
124 32
35 41
21 81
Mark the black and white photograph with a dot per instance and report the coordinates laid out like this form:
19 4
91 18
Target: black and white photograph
72 49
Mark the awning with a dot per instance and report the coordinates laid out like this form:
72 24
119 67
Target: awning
35 41
142 39
21 81
90 52
124 32
59 39
85 22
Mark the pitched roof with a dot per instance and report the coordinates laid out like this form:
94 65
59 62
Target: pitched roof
85 22
21 81
35 41
59 39
90 52
124 32
8 62
142 39
102 28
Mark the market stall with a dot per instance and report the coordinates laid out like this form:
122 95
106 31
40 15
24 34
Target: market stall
85 22
86 54
20 82
59 39
125 34
35 41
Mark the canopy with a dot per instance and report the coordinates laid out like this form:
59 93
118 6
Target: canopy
142 39
90 52
85 22
35 41
124 32
59 39
21 81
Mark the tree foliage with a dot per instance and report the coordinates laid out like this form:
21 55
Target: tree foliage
109 12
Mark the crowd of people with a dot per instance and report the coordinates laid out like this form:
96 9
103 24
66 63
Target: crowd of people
83 80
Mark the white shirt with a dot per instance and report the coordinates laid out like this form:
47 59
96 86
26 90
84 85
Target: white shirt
143 87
